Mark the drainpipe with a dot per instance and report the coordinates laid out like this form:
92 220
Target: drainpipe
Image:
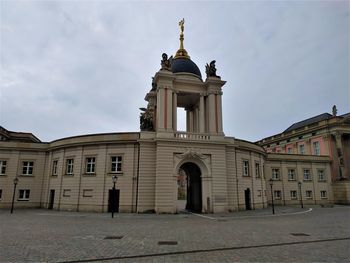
137 176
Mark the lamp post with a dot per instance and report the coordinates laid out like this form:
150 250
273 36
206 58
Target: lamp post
273 205
301 195
114 179
15 182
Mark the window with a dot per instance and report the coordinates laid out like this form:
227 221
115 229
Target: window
87 193
291 175
69 166
316 147
66 192
54 167
27 168
90 165
321 175
307 176
0 193
275 174
259 192
245 168
289 150
116 164
257 170
301 149
2 167
308 194
293 194
277 194
323 194
24 194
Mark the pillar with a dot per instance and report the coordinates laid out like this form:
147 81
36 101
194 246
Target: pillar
201 114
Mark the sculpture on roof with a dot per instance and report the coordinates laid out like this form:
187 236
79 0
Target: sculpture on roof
334 110
210 69
165 62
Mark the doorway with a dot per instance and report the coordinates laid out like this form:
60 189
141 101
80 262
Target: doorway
248 205
193 187
51 199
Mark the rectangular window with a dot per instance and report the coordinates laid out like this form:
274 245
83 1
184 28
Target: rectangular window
321 175
275 174
24 194
301 149
87 193
277 194
69 166
323 194
27 168
289 150
307 175
66 192
257 170
54 167
116 164
293 194
245 168
308 194
90 165
2 167
291 175
316 148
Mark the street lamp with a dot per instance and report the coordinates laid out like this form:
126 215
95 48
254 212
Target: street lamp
113 201
301 195
15 182
273 205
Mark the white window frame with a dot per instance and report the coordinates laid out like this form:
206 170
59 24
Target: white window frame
291 172
245 168
90 165
69 166
321 173
316 148
116 164
323 194
293 194
277 194
257 170
306 172
23 194
302 149
308 194
276 174
27 168
54 167
3 164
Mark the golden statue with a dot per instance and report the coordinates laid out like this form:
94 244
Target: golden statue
182 53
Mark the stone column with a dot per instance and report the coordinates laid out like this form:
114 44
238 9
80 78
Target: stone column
212 113
340 151
219 112
160 109
201 114
175 111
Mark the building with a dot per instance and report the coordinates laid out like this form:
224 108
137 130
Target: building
325 134
155 165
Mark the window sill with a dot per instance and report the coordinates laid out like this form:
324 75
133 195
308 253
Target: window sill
115 173
22 200
26 175
322 181
69 175
89 175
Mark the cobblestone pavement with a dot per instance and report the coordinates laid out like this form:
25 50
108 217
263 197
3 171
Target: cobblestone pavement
309 235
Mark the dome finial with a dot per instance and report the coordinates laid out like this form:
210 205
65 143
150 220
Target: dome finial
182 53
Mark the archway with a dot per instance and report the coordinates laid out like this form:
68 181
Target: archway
193 186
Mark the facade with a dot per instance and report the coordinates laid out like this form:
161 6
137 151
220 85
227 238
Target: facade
160 169
322 135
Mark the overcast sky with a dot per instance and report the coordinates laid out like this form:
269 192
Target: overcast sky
79 67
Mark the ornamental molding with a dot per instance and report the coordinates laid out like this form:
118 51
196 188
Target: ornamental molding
192 153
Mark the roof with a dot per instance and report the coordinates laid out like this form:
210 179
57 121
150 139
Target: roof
179 65
6 135
297 125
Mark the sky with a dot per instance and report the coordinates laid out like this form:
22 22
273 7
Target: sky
83 67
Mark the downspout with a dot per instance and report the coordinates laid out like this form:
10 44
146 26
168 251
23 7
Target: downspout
137 177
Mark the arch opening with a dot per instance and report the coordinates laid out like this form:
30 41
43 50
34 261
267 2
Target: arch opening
190 186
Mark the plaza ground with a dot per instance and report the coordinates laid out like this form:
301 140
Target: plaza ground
291 235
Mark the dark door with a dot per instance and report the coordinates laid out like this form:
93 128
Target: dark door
247 199
194 188
52 199
113 200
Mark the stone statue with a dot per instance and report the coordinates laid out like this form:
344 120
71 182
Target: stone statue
154 85
165 62
146 119
334 111
211 69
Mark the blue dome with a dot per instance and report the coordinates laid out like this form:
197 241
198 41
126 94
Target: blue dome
185 65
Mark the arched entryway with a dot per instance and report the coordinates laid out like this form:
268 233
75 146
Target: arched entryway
193 186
